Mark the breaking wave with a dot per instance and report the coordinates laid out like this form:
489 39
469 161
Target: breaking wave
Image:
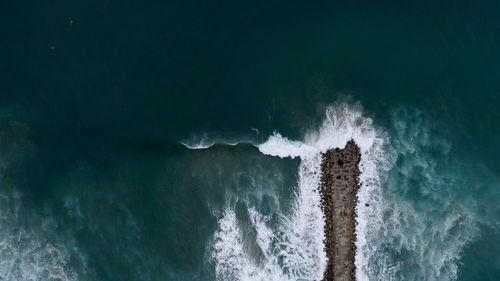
205 141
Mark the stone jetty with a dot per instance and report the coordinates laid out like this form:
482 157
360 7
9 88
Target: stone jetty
338 188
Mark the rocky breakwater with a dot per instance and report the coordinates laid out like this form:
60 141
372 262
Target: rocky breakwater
339 185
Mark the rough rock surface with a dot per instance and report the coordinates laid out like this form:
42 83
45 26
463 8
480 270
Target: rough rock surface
339 185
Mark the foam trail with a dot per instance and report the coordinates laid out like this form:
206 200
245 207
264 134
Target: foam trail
294 251
298 249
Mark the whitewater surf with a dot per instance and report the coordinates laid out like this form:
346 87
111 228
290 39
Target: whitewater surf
295 251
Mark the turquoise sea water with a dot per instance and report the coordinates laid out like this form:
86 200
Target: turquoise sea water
163 140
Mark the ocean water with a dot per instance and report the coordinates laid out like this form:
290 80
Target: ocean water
181 140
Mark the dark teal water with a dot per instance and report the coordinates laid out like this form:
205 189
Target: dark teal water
97 99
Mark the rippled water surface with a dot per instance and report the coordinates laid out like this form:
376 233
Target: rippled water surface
181 140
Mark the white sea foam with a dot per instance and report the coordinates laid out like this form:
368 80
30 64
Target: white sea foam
264 233
228 247
29 253
375 161
431 229
298 249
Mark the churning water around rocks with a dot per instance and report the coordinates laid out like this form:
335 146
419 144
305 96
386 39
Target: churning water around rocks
403 229
181 140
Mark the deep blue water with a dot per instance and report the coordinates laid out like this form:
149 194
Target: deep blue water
102 104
